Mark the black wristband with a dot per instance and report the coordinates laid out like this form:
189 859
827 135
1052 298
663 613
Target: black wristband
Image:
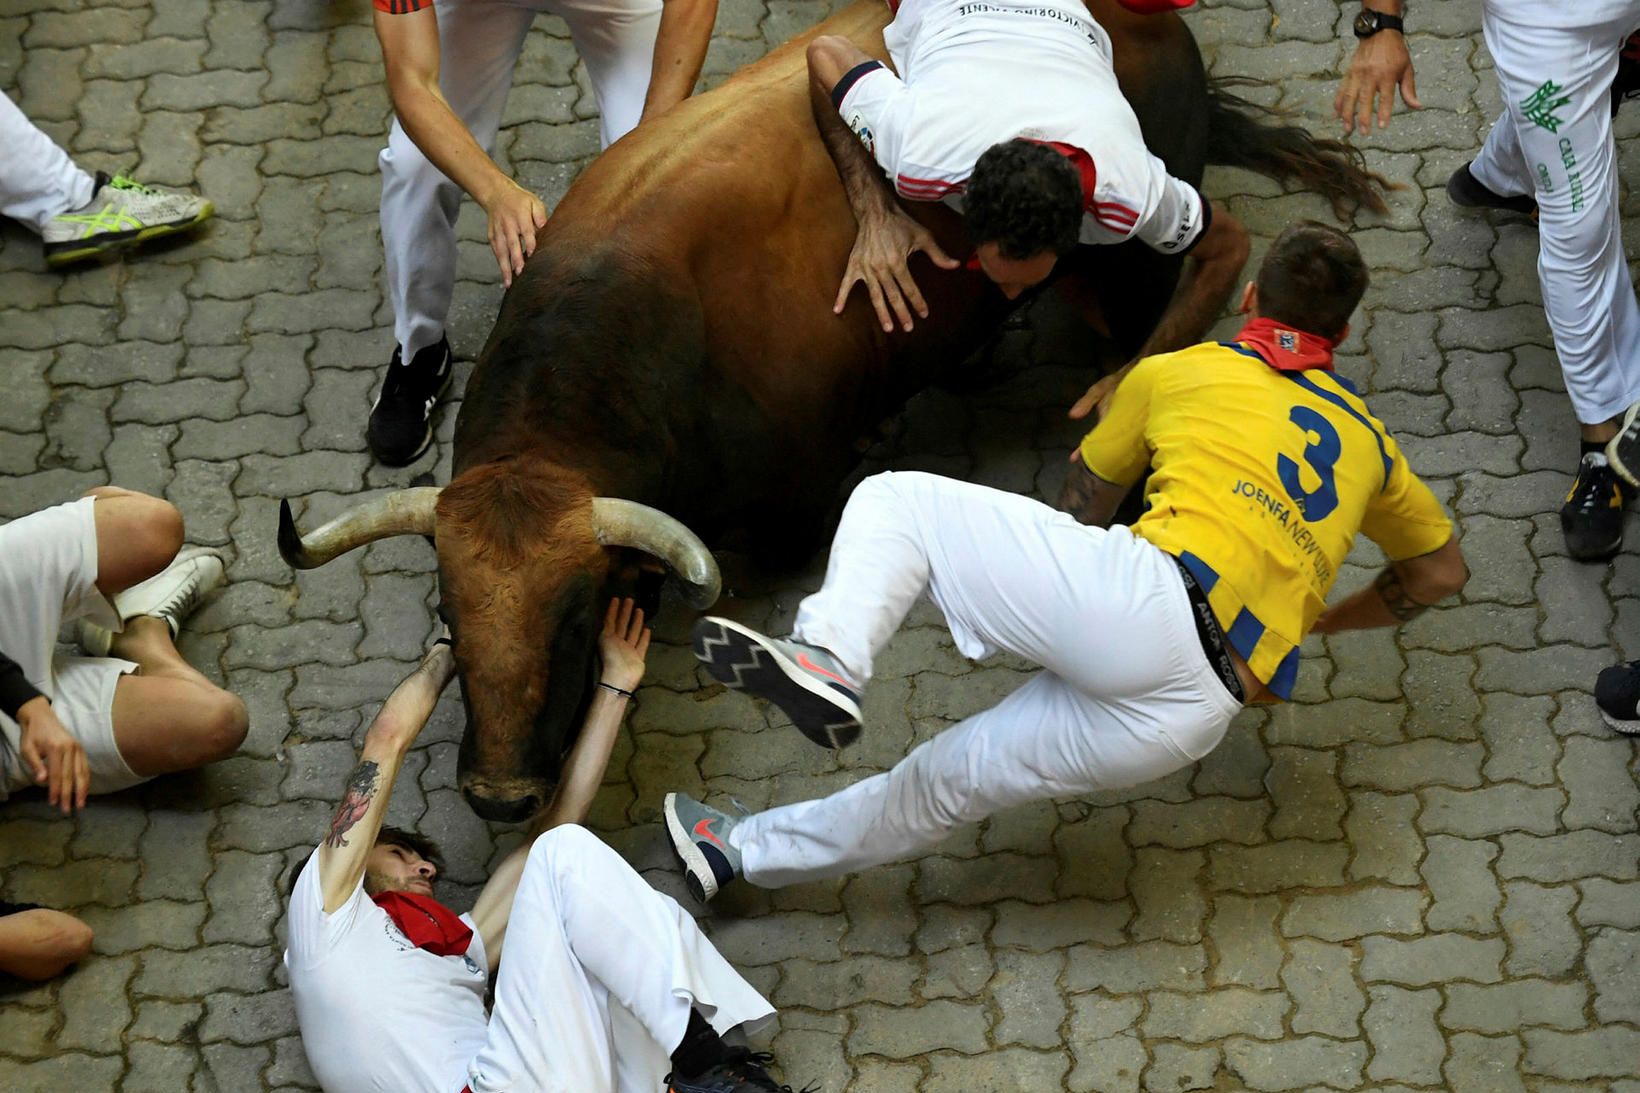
617 690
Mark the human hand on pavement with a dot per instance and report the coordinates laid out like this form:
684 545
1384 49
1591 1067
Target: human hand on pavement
882 249
515 216
624 643
52 756
1380 65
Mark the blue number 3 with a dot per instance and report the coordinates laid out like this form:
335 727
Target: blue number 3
1321 454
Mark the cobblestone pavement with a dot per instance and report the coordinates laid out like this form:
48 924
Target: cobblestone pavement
1425 873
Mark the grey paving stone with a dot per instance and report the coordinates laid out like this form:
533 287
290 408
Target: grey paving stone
1142 966
1275 866
901 1033
1434 958
1612 961
1406 1043
1507 1007
1490 1063
1297 1063
1603 795
1595 1053
1570 856
1113 1064
1345 915
1166 890
1304 786
1201 1018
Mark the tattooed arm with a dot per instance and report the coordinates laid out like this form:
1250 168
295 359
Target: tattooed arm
1400 593
359 817
1088 497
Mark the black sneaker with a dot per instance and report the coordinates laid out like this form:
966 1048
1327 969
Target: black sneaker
1617 693
1592 517
741 1071
1468 193
1623 451
401 421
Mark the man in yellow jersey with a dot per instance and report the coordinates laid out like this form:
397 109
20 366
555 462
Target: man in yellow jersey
1266 465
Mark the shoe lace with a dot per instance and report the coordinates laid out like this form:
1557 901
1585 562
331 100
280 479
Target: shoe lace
1592 489
131 185
751 1068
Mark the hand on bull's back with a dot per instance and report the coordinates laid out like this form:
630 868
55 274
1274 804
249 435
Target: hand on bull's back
515 216
882 250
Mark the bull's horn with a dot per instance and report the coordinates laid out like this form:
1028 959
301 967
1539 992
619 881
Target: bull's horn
402 512
619 522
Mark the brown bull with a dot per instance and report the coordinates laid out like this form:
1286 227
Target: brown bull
672 342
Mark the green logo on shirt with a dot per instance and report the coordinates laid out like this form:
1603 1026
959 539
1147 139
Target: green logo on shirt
1540 106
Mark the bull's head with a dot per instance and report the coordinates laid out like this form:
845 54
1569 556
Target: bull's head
523 560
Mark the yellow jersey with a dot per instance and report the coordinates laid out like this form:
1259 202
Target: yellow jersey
1261 480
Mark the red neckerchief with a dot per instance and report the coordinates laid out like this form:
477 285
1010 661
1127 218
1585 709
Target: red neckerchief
426 922
1084 171
1286 349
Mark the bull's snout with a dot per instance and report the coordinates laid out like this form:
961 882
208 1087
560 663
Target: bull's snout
505 800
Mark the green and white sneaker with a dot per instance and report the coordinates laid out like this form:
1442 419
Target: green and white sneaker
121 212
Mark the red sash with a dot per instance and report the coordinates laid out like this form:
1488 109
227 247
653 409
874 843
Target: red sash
426 922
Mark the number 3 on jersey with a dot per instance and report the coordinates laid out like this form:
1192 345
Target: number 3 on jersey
1321 454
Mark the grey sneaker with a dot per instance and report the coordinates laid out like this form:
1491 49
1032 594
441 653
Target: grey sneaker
1623 450
805 681
171 594
121 212
700 837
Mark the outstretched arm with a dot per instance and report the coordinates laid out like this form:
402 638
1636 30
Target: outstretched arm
887 237
680 50
1402 592
624 643
410 53
1380 65
359 817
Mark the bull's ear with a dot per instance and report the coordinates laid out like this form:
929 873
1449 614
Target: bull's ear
619 522
402 512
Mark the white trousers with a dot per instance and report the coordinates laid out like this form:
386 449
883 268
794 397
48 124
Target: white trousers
1126 694
479 44
1554 141
38 180
598 976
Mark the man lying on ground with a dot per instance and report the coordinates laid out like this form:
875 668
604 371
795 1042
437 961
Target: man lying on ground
1151 638
133 709
605 978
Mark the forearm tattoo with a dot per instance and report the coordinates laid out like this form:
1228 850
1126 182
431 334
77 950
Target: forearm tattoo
1394 595
1077 495
361 791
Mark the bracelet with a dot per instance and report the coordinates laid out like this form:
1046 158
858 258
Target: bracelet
617 690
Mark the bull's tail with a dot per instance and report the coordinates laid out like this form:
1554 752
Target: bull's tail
1242 133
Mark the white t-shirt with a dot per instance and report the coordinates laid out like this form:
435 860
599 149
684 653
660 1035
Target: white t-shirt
377 1013
973 73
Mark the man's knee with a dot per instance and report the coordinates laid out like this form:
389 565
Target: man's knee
220 726
40 944
137 535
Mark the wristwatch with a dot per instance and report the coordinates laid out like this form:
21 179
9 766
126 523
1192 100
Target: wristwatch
1370 22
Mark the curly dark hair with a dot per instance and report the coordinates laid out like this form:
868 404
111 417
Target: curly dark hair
389 836
1024 197
1312 278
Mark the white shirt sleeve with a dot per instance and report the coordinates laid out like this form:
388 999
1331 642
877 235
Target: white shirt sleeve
876 109
310 932
1177 219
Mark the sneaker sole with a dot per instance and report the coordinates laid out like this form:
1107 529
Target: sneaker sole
695 865
1617 724
742 660
1623 451
79 250
427 433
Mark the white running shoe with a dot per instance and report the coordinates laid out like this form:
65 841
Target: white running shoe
171 594
121 211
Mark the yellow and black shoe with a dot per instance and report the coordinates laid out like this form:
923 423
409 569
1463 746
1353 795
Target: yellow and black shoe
121 212
1592 517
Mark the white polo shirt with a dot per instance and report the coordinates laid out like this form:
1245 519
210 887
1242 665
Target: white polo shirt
973 73
377 1014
